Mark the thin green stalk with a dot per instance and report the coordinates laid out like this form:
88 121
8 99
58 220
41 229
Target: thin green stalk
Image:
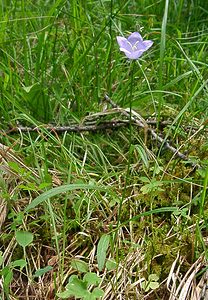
64 233
132 69
199 237
148 84
110 50
203 196
162 55
54 227
130 109
55 234
27 267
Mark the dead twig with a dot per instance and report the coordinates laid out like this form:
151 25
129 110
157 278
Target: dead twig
143 124
96 122
71 128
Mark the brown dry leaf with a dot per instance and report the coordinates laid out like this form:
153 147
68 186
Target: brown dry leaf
201 290
185 288
3 211
53 260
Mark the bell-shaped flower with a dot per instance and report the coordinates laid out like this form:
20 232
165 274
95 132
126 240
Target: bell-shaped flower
134 46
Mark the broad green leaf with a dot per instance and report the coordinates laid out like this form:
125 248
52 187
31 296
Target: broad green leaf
58 190
111 264
24 238
42 271
151 283
144 179
29 187
64 295
19 263
8 276
77 288
14 166
145 189
44 185
72 277
80 265
102 250
97 293
154 285
153 277
92 278
146 286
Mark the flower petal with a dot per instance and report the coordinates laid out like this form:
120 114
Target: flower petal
147 44
123 43
134 54
135 37
137 54
139 46
133 46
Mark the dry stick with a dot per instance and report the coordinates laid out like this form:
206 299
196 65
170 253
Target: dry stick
71 128
109 124
89 126
143 124
89 123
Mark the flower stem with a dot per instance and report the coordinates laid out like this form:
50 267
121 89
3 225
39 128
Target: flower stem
132 68
130 102
130 123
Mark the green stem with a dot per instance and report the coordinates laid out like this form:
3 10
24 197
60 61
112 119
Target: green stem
132 66
203 196
201 216
162 55
110 50
130 107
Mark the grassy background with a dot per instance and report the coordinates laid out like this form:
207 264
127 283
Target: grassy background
58 60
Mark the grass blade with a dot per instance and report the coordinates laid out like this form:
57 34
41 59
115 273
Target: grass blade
58 190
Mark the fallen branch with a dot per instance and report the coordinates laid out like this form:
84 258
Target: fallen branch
136 118
97 121
71 128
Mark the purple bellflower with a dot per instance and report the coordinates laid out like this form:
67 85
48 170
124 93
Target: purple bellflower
133 46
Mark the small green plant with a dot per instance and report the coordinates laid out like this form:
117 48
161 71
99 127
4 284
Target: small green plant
24 238
151 186
182 213
80 288
84 287
151 283
7 272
